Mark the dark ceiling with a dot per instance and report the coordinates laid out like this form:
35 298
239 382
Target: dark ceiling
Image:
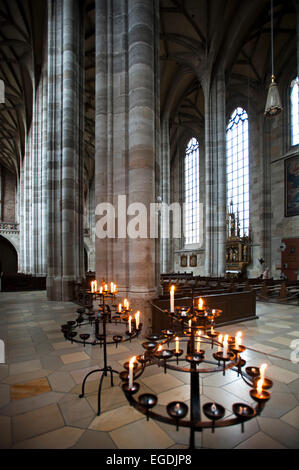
197 37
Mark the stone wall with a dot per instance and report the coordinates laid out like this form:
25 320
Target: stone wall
8 198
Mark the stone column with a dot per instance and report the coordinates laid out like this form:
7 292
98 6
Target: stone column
65 153
127 133
215 151
165 186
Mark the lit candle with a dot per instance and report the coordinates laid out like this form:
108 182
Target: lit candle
238 338
200 304
172 289
259 386
106 288
101 290
131 368
177 345
212 329
190 325
130 324
198 341
220 341
119 308
262 372
137 315
225 341
91 285
126 304
111 287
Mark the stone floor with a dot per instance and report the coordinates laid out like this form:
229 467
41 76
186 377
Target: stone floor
41 380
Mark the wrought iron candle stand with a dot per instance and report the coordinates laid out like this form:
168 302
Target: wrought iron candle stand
96 319
225 358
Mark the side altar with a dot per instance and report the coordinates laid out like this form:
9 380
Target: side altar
238 248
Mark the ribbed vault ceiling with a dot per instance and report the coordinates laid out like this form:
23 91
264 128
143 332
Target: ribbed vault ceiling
196 37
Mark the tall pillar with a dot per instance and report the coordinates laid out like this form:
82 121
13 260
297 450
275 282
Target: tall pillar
127 134
65 153
215 209
165 186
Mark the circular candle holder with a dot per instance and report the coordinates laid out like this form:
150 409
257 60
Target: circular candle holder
177 354
148 401
149 345
177 410
117 339
195 358
213 411
84 337
238 349
219 356
153 338
243 411
260 397
134 389
142 359
252 372
267 383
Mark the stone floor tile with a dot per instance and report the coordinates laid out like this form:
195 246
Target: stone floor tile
94 440
161 382
74 357
260 441
26 366
4 395
141 435
116 418
75 409
5 432
36 422
29 389
61 381
292 418
62 438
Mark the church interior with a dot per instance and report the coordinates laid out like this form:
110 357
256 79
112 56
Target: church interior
149 224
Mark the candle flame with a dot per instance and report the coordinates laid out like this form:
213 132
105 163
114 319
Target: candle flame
200 304
262 370
172 288
220 338
259 386
225 341
199 332
160 347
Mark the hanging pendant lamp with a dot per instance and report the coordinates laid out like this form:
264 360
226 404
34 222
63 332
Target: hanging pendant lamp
273 103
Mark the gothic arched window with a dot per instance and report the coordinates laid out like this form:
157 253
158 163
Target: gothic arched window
191 189
237 167
295 111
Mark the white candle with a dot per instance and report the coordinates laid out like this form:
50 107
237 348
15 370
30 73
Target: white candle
101 290
212 330
131 368
106 288
111 287
177 344
119 308
130 324
198 341
172 289
200 304
190 325
225 345
262 371
137 319
238 338
91 285
220 341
